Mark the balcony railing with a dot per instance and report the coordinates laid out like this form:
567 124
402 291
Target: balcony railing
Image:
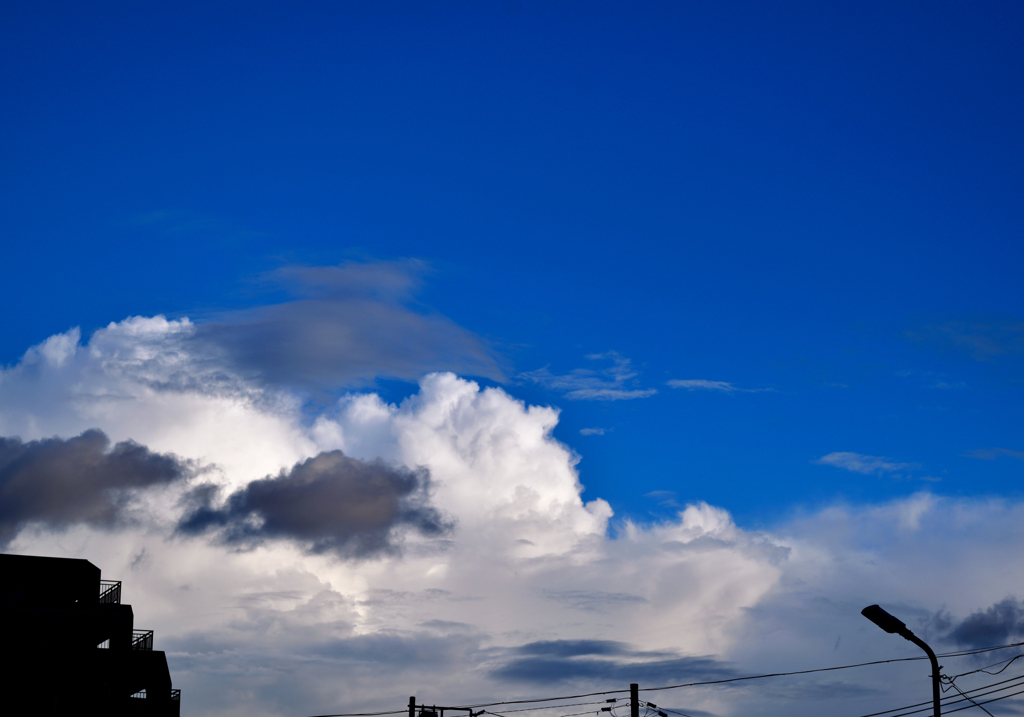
142 639
142 695
110 592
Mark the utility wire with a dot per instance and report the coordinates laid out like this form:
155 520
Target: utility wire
951 681
954 686
552 707
926 706
829 669
555 707
960 653
364 714
984 669
994 699
952 700
965 707
675 712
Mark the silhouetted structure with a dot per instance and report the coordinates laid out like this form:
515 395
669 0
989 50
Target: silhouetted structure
70 645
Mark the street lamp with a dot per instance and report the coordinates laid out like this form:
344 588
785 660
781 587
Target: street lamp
893 625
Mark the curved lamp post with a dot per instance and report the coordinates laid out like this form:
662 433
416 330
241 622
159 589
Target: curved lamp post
893 625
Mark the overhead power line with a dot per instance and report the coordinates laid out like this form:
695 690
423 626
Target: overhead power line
991 688
551 707
583 695
959 653
364 714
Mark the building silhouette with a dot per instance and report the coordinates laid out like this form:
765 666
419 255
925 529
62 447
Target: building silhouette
72 647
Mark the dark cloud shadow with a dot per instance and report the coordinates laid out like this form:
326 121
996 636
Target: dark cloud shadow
553 661
328 503
62 482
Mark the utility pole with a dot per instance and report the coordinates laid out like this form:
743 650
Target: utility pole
634 700
435 711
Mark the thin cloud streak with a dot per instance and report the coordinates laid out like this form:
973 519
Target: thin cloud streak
350 324
860 463
615 383
983 339
990 454
701 384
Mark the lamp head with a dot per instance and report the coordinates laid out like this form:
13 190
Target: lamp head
884 620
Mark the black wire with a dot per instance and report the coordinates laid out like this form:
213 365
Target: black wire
364 714
552 707
925 706
979 650
676 712
555 707
960 653
954 686
994 699
648 706
985 668
952 700
967 707
822 669
951 681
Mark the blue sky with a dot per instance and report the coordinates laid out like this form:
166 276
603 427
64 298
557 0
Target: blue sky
762 255
772 196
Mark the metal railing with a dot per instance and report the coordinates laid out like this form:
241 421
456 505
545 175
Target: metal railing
142 639
110 592
142 695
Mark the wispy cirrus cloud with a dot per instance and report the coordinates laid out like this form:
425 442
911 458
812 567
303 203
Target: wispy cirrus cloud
990 454
665 497
344 325
614 383
703 384
860 463
593 431
984 339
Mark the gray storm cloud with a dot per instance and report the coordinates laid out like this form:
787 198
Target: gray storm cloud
995 625
551 661
330 502
62 482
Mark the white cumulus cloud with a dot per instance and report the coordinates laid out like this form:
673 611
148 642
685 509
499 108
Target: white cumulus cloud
531 592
